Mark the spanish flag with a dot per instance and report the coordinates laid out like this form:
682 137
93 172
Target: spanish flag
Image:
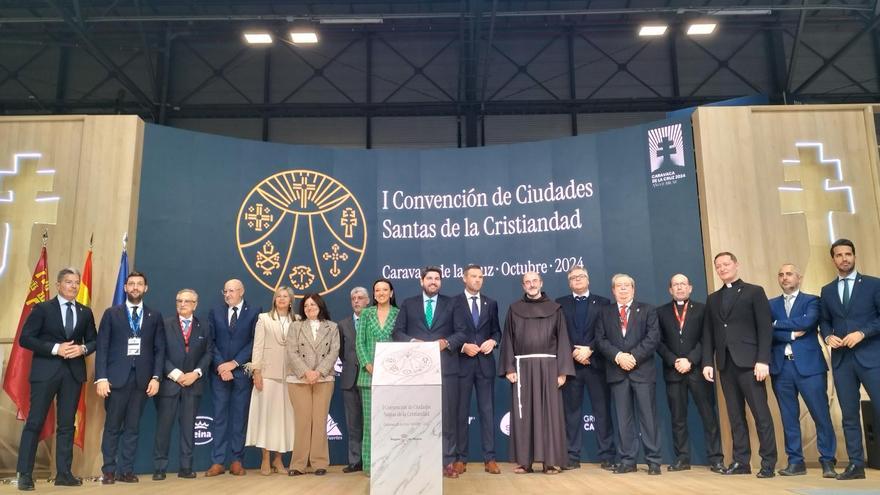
17 383
84 297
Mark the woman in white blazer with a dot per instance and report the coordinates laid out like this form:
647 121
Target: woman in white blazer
270 419
312 350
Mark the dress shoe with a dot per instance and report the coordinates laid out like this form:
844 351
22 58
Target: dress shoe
236 469
186 473
108 478
492 467
852 472
450 472
625 468
320 472
127 478
828 469
737 468
608 465
678 465
25 482
295 472
353 468
159 476
766 473
460 467
793 470
654 469
67 479
718 467
215 470
571 465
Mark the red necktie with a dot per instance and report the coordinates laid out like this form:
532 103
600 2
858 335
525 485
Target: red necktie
623 320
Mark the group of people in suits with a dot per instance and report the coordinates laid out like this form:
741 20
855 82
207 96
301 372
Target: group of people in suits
271 374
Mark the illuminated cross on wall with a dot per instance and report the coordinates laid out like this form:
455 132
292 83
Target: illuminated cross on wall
666 148
815 189
26 198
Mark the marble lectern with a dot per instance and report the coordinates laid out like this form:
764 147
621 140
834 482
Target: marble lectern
406 429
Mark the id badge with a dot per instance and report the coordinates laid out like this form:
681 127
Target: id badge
134 346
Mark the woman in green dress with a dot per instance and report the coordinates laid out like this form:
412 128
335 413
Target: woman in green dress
374 325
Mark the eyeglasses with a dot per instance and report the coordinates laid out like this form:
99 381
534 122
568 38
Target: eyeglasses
577 277
185 301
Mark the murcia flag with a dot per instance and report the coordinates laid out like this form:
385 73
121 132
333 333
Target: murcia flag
17 383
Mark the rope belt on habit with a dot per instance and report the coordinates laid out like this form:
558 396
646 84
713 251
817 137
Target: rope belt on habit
519 377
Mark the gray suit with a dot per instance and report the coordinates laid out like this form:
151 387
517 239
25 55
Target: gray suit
351 395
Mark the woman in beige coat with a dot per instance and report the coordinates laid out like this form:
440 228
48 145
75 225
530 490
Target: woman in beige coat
312 350
270 419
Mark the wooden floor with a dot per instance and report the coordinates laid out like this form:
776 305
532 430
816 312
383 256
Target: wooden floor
588 479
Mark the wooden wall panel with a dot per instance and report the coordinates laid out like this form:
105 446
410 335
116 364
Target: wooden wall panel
97 164
741 163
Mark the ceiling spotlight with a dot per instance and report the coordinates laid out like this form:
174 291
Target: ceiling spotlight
655 30
351 20
258 38
701 28
304 36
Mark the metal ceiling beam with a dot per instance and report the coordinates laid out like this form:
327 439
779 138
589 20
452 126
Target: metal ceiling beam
415 109
392 16
105 60
842 50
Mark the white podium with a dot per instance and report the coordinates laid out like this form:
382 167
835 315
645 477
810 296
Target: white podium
406 412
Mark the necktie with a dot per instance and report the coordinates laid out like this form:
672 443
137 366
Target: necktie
845 292
68 320
623 320
234 319
475 311
135 320
429 313
186 330
789 300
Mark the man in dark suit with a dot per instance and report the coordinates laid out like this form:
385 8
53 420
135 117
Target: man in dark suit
428 317
737 333
681 349
60 332
232 324
128 364
188 351
627 335
850 325
477 316
581 309
351 395
797 366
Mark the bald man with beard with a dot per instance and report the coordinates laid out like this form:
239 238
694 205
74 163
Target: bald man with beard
535 359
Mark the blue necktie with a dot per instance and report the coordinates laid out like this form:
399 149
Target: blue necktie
475 311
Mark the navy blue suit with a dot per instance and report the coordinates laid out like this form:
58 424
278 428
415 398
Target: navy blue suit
859 365
231 399
476 373
411 324
581 332
52 375
803 372
128 377
175 401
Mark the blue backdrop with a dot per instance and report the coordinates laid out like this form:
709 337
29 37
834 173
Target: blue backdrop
322 219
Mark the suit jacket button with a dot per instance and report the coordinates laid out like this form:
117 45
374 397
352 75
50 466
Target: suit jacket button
725 325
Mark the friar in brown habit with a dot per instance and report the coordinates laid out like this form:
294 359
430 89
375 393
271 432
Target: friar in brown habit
534 335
